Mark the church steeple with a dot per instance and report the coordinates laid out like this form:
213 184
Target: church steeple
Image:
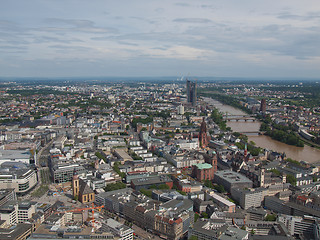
75 184
203 139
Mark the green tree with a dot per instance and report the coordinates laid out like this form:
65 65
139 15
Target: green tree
291 179
271 217
117 170
193 238
208 183
115 186
205 215
219 188
196 217
146 192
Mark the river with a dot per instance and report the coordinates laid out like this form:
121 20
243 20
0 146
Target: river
307 153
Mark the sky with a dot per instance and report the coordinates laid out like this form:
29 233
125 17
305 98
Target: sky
220 38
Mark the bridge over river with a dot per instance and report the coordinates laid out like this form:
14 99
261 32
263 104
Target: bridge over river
237 118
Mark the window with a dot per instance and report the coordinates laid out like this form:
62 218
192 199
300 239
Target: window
24 186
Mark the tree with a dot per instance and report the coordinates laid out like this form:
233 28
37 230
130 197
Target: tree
115 186
205 215
146 192
193 238
219 188
291 179
208 183
236 134
117 170
196 217
271 217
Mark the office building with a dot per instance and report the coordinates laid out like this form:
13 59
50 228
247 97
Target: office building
17 176
230 179
192 93
147 182
263 105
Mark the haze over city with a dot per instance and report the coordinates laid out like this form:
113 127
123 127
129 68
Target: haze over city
160 38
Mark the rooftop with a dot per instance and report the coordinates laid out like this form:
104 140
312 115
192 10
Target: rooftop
232 177
203 166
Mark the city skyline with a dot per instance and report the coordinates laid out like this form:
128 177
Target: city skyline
167 38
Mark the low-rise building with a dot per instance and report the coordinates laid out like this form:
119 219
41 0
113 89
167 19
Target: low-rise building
147 182
122 232
230 179
209 230
223 203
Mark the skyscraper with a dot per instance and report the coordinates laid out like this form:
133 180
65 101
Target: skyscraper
191 92
263 105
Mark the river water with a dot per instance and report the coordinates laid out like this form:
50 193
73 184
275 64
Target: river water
307 153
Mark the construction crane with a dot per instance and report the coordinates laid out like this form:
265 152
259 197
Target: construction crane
86 208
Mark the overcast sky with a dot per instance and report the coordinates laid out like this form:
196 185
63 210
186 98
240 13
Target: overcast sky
227 38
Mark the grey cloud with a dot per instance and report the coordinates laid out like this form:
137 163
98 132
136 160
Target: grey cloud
307 17
181 4
46 39
144 20
208 6
67 47
9 26
273 39
192 20
128 43
66 25
13 47
159 10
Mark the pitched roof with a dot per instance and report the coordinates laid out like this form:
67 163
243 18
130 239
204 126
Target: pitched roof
84 188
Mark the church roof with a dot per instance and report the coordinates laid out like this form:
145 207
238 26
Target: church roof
84 188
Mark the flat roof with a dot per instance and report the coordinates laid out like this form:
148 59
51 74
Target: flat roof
123 154
151 180
232 177
222 200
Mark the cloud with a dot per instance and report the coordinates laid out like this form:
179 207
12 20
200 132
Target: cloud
192 20
181 4
178 52
307 17
183 33
77 25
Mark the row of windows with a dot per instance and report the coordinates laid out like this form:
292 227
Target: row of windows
24 186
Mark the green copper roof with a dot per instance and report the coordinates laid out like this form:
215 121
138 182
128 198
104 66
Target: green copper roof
203 166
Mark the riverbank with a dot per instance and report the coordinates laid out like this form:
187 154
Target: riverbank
307 153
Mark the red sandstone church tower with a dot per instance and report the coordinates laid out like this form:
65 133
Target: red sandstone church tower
203 138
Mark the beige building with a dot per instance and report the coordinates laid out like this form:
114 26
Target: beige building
17 176
82 191
13 212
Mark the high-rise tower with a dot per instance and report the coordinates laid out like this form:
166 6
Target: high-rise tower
263 105
191 92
